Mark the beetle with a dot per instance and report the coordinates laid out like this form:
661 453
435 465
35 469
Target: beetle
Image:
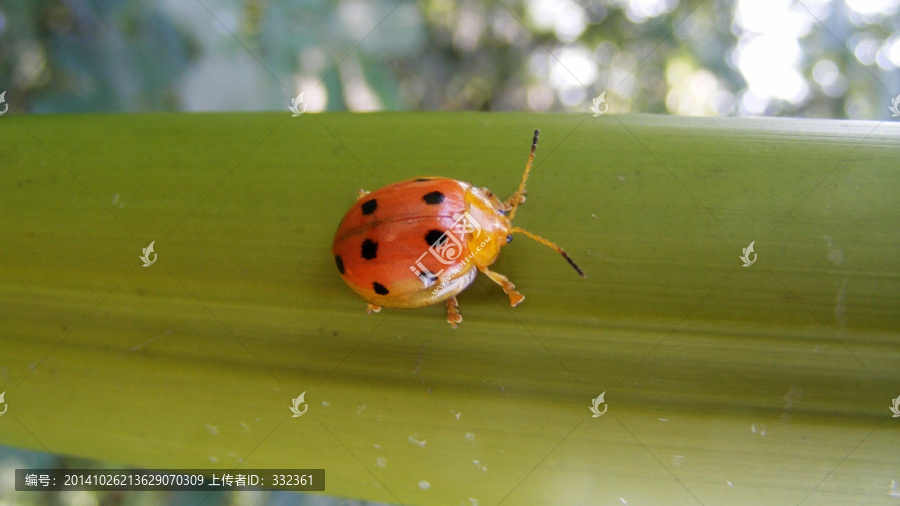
422 241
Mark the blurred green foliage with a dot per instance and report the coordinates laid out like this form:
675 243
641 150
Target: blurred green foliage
683 57
659 56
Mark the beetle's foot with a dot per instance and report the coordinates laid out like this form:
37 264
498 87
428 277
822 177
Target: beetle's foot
515 298
453 316
372 308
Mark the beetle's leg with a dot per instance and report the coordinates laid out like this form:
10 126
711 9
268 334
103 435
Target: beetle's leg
514 201
453 316
372 308
362 193
506 207
514 297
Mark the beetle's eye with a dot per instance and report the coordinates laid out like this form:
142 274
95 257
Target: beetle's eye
509 239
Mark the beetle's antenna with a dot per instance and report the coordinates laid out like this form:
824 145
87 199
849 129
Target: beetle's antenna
519 196
553 245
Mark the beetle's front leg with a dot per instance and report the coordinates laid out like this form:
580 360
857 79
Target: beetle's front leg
515 200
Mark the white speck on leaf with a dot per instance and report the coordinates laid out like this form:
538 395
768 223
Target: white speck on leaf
792 396
840 305
381 461
326 404
424 485
414 439
213 430
835 255
470 436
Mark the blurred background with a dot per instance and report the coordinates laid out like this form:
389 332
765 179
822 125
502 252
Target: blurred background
809 58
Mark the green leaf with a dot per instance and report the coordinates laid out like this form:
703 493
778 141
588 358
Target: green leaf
728 384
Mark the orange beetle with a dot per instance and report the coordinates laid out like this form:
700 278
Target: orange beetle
417 242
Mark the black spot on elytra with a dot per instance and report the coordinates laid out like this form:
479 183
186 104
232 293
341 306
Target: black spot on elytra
435 238
369 206
423 179
369 249
379 288
340 263
433 198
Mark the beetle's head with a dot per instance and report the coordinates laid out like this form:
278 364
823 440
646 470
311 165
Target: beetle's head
487 226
